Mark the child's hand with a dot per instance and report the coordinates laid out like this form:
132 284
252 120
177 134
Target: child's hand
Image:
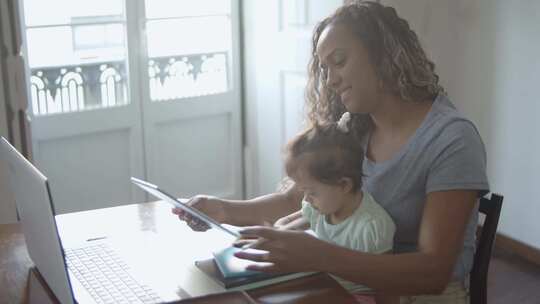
282 222
293 221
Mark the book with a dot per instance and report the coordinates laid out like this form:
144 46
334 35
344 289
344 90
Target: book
231 273
233 267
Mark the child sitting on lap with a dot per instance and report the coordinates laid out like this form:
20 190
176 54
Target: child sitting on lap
325 162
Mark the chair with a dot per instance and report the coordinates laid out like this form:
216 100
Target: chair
478 277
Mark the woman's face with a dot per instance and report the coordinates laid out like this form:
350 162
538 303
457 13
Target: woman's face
349 71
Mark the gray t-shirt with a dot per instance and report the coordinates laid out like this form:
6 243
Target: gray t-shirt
445 153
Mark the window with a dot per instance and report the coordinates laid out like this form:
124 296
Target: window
78 52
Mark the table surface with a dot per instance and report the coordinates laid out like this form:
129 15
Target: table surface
148 232
14 264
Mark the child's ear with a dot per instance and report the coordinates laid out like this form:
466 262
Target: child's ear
346 184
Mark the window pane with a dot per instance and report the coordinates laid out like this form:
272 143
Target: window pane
66 45
183 8
79 62
187 76
191 62
188 36
39 12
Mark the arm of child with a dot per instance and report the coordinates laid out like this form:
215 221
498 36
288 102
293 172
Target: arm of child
293 221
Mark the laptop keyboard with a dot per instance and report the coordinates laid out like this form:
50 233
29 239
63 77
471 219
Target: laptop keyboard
106 276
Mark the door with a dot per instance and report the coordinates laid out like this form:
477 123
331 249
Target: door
278 48
191 96
134 88
86 127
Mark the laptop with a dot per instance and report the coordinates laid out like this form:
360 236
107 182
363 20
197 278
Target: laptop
91 273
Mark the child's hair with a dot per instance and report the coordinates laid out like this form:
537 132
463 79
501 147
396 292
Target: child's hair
335 154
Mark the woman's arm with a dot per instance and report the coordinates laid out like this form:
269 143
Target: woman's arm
429 270
258 211
263 209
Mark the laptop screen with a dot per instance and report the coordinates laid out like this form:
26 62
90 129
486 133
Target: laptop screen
33 199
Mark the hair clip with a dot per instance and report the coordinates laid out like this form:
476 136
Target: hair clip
343 121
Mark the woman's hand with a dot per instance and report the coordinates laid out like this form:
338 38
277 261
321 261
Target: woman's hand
247 241
209 205
288 251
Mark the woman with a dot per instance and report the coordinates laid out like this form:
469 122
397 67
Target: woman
425 163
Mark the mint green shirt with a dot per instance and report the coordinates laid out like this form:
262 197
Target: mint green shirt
369 229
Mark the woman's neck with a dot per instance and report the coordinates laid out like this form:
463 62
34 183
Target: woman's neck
394 122
347 209
395 116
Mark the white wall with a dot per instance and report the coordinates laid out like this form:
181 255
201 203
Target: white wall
487 54
277 39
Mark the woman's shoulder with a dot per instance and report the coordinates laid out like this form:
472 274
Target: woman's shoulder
445 124
455 155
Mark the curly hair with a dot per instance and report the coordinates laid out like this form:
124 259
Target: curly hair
394 50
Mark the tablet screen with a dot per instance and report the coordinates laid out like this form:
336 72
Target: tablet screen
155 191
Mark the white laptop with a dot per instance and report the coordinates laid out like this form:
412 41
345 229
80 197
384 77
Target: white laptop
89 274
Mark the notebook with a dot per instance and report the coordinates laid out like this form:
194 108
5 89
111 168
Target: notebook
231 273
233 267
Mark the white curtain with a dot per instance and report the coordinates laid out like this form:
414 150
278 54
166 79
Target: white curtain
13 98
13 70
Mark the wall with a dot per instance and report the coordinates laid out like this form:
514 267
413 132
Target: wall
275 79
486 53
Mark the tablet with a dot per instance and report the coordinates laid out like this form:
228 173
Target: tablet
155 191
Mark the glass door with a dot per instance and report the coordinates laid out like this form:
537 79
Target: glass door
134 88
191 96
86 126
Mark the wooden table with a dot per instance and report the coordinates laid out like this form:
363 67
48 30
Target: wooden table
142 225
14 264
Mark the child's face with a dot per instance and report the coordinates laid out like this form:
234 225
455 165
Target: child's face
327 199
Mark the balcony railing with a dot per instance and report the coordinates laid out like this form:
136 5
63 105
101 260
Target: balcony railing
104 84
187 76
77 88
